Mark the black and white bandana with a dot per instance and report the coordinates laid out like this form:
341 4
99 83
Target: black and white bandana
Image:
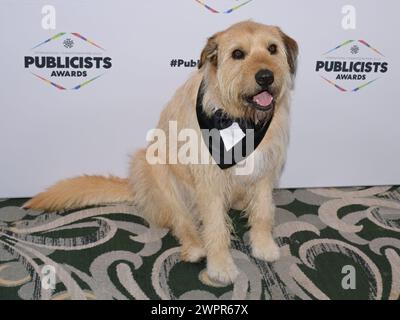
229 141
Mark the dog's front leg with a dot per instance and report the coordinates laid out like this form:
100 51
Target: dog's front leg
216 235
261 212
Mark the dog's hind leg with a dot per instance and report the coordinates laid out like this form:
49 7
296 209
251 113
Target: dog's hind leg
182 222
185 230
161 201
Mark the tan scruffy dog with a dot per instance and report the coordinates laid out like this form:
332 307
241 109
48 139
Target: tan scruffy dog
246 72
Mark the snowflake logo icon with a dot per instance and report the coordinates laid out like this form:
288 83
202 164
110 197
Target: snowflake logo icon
68 43
355 49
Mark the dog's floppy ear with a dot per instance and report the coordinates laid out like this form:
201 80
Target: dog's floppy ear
292 51
210 51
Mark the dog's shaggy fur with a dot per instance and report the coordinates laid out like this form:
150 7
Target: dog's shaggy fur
193 200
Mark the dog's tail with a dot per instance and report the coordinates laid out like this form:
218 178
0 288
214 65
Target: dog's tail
80 192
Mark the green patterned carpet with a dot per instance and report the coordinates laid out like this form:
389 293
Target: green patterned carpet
335 244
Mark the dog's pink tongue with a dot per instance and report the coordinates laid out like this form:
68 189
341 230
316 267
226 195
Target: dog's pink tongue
263 99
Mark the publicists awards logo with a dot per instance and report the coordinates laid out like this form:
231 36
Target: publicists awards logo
352 66
67 61
223 6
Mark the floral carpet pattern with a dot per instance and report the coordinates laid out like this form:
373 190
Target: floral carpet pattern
335 244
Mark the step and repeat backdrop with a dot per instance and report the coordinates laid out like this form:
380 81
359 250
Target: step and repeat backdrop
82 82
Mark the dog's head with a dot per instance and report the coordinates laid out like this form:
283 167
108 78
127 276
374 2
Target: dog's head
249 67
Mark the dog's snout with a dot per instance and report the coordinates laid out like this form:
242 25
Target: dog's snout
265 77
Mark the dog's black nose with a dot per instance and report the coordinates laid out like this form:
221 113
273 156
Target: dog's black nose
265 77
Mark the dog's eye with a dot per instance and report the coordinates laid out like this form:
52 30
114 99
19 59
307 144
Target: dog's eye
238 54
272 49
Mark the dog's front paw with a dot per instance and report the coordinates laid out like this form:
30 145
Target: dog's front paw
267 251
224 272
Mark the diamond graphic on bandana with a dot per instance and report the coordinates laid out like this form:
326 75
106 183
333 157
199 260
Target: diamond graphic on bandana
231 136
